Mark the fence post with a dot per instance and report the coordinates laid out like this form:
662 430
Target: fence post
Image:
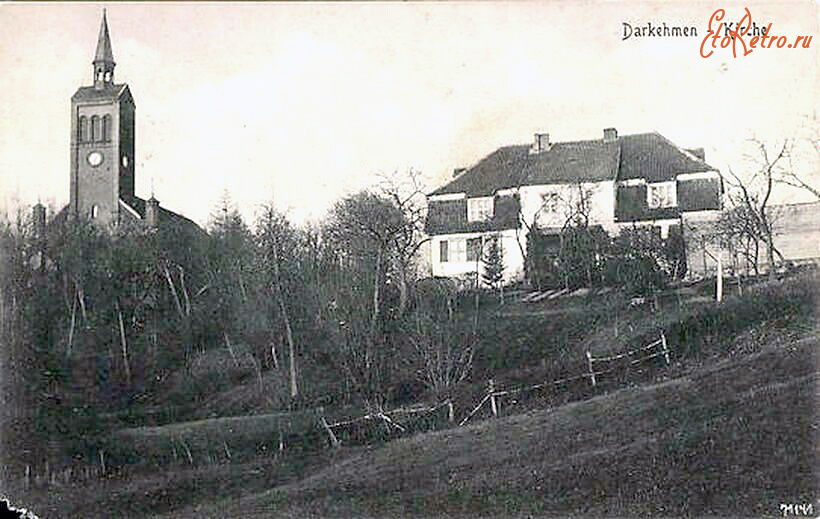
591 370
719 281
665 348
102 461
28 475
450 411
334 442
491 390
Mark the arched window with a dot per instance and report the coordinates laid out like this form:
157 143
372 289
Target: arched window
106 128
95 128
82 129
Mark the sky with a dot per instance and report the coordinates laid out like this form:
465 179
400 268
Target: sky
299 104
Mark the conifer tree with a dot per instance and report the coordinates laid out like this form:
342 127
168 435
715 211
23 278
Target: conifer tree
493 262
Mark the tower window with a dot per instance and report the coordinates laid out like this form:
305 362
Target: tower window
107 77
94 211
82 129
106 128
95 128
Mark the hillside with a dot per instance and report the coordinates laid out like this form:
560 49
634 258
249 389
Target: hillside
729 428
737 437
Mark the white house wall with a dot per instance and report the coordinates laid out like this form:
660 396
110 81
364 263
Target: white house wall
513 258
602 204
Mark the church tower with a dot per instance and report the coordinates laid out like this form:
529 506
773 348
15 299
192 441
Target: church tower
102 142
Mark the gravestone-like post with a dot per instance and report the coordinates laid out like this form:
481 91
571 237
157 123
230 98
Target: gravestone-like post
665 348
591 370
491 391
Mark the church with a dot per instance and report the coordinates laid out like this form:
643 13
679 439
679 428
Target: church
103 165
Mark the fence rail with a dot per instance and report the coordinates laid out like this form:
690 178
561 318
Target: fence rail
663 350
592 374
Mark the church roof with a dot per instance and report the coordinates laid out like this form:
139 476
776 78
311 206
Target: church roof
135 208
91 94
104 52
137 205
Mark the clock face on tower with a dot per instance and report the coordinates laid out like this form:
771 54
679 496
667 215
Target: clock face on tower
95 158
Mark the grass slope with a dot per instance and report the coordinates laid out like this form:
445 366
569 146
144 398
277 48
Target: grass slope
736 438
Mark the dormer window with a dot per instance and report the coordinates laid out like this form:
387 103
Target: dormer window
661 194
479 209
550 202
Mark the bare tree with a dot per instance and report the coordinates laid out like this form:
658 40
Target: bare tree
803 160
443 356
273 234
365 231
407 195
754 194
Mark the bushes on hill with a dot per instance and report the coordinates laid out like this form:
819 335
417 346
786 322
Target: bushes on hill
637 259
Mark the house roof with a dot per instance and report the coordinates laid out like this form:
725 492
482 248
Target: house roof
653 157
107 93
648 155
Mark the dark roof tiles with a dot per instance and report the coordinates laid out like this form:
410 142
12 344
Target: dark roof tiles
107 93
653 157
649 156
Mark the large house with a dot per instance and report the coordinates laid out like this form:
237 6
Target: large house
614 181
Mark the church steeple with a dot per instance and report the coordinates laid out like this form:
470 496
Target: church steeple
104 58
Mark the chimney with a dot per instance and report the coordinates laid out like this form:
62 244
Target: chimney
541 142
458 171
152 212
698 152
610 135
39 218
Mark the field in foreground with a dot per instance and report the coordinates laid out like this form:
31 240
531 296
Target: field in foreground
734 439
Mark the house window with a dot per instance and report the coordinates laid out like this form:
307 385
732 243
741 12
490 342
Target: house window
550 202
454 251
473 249
458 250
479 209
661 195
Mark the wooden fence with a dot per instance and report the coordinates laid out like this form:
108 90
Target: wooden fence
380 423
633 357
609 364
